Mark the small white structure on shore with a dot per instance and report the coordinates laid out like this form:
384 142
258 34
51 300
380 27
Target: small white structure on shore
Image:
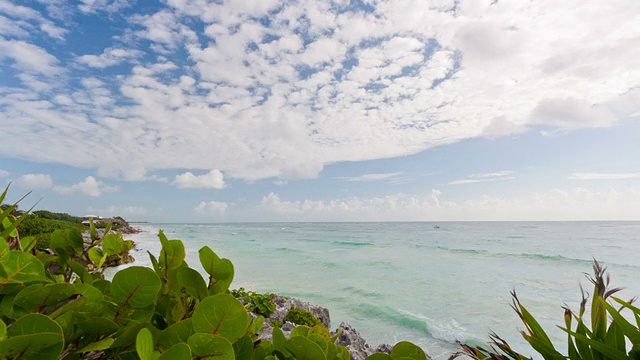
87 218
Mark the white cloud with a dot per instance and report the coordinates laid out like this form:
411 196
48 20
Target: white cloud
212 180
373 177
90 187
280 182
212 207
604 176
35 181
30 58
485 177
109 6
110 57
124 211
554 205
255 101
26 20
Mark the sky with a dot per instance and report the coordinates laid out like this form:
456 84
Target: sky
308 110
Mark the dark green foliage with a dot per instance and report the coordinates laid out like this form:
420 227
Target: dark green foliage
44 214
276 323
43 227
57 304
302 317
259 304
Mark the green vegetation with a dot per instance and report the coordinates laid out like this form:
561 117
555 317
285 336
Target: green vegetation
42 228
57 304
604 333
44 214
259 304
302 317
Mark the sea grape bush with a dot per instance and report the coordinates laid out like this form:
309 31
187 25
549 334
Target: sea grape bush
260 304
57 304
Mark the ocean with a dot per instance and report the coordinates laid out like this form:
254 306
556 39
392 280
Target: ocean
429 283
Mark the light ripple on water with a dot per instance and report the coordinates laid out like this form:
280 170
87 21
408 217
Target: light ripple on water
397 281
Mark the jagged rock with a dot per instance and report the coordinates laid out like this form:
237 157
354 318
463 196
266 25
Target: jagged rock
351 339
283 306
319 312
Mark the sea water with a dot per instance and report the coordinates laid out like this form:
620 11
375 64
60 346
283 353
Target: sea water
432 284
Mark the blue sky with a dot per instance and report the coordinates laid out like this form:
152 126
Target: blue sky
371 110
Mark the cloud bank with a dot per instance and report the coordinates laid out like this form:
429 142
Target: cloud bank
282 88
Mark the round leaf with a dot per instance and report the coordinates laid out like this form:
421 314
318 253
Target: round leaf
33 336
222 315
409 350
136 286
176 334
209 346
177 352
192 282
21 267
302 348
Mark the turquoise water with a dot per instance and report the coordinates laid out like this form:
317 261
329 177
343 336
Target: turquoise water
428 284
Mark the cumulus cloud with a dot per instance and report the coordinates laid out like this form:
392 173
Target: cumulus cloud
90 187
35 181
212 180
29 58
115 210
110 57
485 177
270 89
212 207
572 204
604 176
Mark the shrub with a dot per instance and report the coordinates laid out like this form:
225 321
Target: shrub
53 307
302 317
603 334
260 304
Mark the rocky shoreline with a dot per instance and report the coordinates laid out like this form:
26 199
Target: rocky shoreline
349 337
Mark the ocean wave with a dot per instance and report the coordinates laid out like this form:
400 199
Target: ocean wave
353 243
394 317
356 291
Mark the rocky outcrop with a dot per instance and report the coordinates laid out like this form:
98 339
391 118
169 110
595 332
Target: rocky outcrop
349 337
356 344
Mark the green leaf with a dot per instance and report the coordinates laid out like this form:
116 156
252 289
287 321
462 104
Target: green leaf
222 315
3 329
97 346
303 348
98 327
177 352
21 267
136 286
299 331
33 336
39 298
144 345
112 244
409 350
626 327
172 254
220 271
81 271
192 282
97 257
243 348
607 351
209 346
379 356
4 249
278 339
176 334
